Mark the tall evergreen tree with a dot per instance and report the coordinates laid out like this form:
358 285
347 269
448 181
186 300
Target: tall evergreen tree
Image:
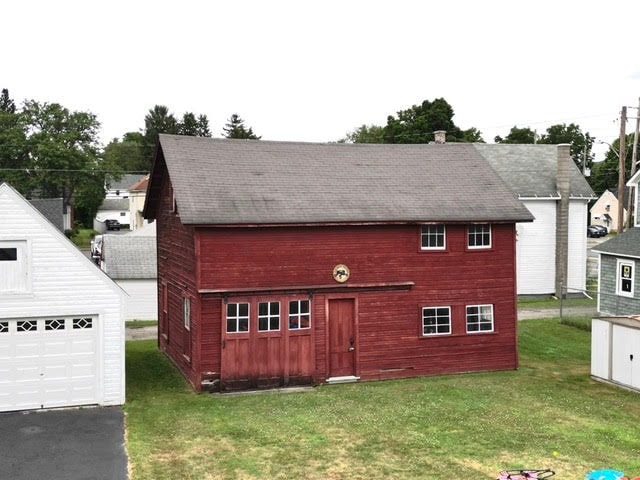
235 128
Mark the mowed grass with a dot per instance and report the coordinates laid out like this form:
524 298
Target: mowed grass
547 414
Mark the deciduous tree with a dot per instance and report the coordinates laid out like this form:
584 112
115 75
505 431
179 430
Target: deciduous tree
518 135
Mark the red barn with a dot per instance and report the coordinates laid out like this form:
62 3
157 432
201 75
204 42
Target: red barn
296 263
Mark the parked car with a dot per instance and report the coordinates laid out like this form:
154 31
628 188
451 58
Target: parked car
596 231
96 248
112 224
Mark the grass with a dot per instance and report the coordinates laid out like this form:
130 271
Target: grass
140 323
82 239
547 414
553 302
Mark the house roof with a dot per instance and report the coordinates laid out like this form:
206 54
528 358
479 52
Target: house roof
625 244
140 185
625 198
124 182
530 170
51 208
119 204
223 181
129 257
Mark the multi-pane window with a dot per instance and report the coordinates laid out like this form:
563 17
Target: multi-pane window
299 314
436 320
4 327
82 323
479 236
625 277
433 237
237 317
479 318
186 313
56 324
268 316
27 326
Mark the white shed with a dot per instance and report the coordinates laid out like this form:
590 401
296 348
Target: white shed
61 317
615 350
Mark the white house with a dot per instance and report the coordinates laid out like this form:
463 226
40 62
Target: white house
605 210
130 260
61 318
532 173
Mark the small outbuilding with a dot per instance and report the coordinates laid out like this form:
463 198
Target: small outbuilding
61 317
615 350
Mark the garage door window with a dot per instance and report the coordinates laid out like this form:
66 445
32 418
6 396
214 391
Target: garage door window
4 327
27 326
52 325
82 323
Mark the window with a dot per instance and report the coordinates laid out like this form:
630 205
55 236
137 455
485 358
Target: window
433 237
299 314
479 318
82 323
4 327
625 278
479 236
8 254
436 320
186 313
50 325
27 326
268 316
237 317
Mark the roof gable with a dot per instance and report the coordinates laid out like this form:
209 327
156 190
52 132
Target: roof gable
530 170
625 244
129 257
222 181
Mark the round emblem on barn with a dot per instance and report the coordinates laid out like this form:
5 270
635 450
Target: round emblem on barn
341 273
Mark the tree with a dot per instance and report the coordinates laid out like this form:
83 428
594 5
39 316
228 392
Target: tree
7 105
14 157
235 128
417 124
126 155
365 134
63 153
518 135
194 127
581 143
604 175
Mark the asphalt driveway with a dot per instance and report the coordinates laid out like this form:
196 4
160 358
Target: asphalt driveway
77 444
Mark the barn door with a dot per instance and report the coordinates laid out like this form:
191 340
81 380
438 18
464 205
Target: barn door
342 345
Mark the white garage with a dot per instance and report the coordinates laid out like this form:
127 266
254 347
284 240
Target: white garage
615 350
61 317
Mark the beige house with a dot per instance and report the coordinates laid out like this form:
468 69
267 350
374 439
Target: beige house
137 194
605 211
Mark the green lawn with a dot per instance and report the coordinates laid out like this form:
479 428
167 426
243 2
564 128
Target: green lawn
553 302
547 414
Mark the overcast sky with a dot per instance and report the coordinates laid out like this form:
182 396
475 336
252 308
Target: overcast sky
311 71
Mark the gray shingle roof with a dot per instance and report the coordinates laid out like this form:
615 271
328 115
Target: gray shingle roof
51 208
124 182
129 256
221 181
115 204
624 244
530 170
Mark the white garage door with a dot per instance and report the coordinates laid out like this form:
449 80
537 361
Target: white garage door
48 362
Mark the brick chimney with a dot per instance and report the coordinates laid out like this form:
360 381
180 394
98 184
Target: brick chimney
563 186
440 136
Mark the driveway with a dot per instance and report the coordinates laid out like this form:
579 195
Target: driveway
67 444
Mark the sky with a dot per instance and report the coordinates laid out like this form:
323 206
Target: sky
313 71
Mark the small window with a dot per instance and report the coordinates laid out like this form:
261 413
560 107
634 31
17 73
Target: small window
268 316
479 318
4 327
82 323
51 325
237 317
8 254
299 314
479 236
436 320
186 313
625 283
27 326
433 237
122 214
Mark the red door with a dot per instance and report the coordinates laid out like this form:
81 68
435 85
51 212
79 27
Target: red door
341 337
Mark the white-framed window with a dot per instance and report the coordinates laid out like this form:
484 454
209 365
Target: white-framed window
268 316
237 317
436 320
479 318
433 237
14 266
479 236
299 314
625 277
186 313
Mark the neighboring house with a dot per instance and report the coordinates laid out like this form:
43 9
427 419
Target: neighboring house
52 209
130 260
119 189
532 173
605 210
295 263
114 209
61 318
137 195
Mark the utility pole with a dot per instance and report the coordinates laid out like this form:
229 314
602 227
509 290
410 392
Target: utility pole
621 163
634 159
